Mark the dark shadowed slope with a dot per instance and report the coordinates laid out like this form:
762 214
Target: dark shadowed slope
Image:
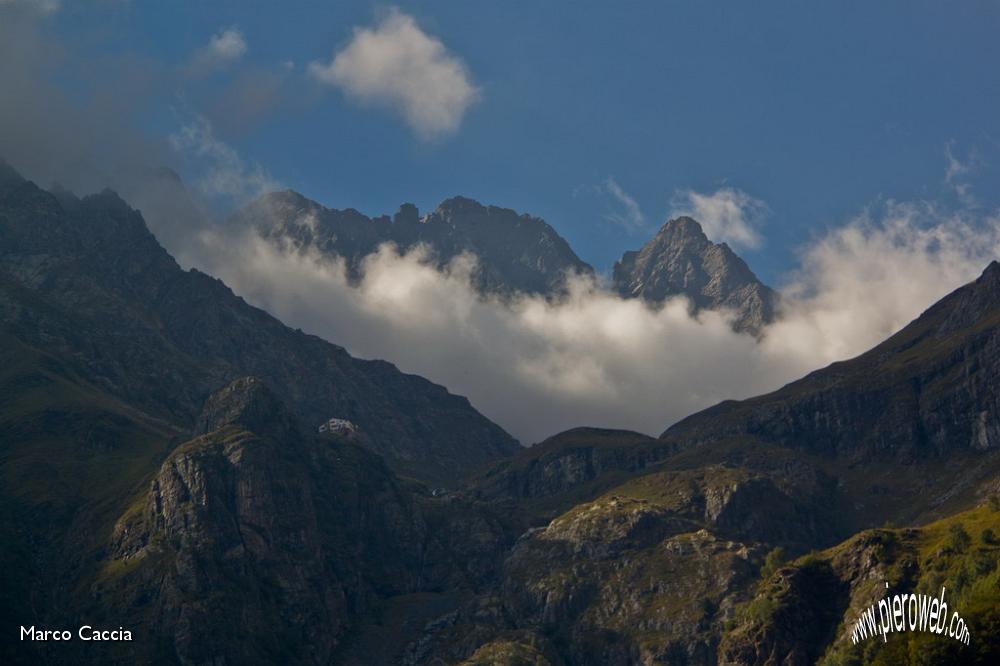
920 410
85 280
665 550
929 390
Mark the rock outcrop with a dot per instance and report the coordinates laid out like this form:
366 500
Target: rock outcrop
301 537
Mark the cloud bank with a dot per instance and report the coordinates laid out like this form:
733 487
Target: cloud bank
228 45
397 65
862 282
538 367
223 172
728 215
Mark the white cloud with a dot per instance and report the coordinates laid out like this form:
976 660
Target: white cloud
538 367
224 48
728 215
397 64
533 366
957 172
630 214
866 280
228 45
954 167
223 173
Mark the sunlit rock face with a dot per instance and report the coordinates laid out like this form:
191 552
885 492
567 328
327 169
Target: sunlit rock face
681 261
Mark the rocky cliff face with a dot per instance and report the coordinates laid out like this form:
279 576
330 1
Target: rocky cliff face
651 571
300 537
84 279
929 390
234 525
681 261
515 253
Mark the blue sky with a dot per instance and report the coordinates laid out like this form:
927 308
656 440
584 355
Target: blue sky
815 111
848 151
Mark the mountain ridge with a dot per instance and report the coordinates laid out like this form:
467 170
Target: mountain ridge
962 324
516 253
160 462
118 304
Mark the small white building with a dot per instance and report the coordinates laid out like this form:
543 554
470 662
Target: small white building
338 427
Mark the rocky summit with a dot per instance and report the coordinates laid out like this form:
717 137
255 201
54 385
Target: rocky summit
514 253
680 260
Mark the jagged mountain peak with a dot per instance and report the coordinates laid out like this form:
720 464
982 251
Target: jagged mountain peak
469 217
460 204
684 234
682 228
680 260
284 196
516 252
407 214
109 201
66 197
977 299
297 200
275 206
989 279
